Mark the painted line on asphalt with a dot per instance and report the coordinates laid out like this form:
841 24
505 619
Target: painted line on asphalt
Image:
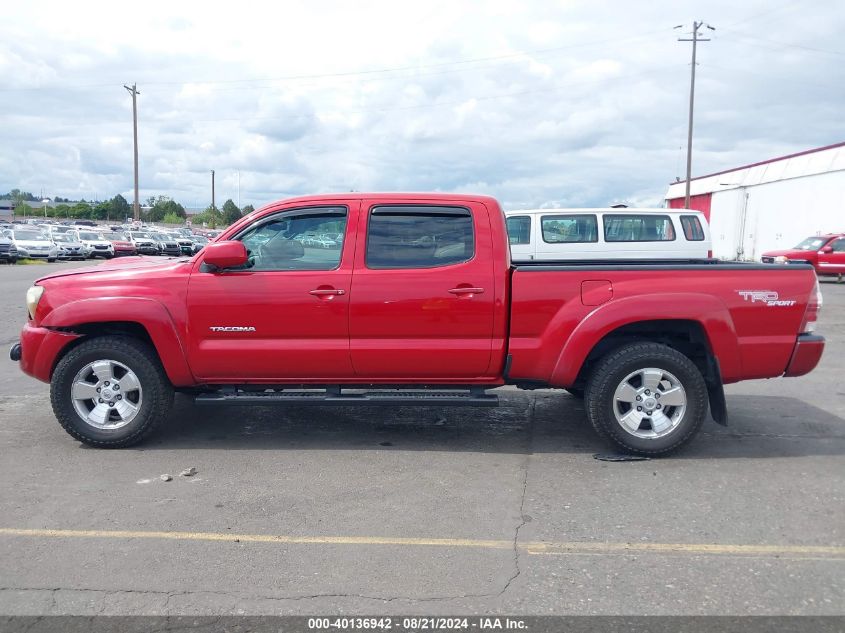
824 552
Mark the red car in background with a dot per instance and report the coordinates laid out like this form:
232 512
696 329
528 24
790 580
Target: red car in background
826 253
122 246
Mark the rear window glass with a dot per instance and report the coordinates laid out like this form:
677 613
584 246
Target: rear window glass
692 228
419 237
638 228
519 229
567 229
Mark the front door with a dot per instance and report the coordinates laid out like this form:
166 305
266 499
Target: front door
423 292
285 314
833 263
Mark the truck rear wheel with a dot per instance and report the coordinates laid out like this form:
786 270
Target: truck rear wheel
110 392
647 398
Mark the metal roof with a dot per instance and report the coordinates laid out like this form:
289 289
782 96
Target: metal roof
807 163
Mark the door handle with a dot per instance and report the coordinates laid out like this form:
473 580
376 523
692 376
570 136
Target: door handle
466 291
319 292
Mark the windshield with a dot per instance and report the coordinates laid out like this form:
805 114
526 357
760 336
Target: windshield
114 236
61 237
29 235
137 235
811 244
89 236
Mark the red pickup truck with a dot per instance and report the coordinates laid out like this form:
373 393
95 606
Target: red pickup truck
409 299
825 253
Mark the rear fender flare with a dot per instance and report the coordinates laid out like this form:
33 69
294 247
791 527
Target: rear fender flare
707 310
148 313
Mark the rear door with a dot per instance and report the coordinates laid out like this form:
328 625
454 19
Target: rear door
833 263
423 295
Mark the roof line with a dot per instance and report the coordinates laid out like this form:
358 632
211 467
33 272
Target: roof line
764 162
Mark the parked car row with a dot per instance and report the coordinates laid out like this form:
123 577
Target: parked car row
67 242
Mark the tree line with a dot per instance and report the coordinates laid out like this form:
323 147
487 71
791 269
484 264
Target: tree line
157 209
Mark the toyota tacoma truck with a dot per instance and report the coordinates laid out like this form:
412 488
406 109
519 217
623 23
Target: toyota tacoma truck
409 299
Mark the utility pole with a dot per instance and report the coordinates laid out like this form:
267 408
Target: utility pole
695 39
134 92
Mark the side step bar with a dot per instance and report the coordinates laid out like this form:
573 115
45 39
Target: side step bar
472 397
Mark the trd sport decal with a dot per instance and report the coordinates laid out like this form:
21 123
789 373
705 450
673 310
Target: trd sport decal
769 297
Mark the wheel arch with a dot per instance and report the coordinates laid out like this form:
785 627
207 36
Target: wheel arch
138 318
697 325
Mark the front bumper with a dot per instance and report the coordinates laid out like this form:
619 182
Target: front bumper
38 350
806 355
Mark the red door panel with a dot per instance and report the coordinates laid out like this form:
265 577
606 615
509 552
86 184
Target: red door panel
300 318
409 322
833 263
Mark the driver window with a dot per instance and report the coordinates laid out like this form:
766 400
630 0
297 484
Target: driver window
305 239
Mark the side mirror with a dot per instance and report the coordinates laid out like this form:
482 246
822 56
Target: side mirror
228 254
826 249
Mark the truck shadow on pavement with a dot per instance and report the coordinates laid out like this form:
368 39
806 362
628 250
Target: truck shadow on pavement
536 422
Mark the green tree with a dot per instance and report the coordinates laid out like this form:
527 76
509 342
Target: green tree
172 218
23 209
231 213
81 210
163 206
120 208
247 209
102 211
60 211
210 217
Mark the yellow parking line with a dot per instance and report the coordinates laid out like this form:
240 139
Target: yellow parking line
574 547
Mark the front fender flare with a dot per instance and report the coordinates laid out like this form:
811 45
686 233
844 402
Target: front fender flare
148 313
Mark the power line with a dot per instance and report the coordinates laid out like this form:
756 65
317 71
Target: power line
768 12
363 73
777 45
439 104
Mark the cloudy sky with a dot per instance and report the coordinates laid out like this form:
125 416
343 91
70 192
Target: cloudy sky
539 103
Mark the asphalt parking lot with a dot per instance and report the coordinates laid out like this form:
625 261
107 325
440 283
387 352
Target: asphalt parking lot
429 511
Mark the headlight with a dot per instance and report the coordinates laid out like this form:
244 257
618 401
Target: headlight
33 296
780 259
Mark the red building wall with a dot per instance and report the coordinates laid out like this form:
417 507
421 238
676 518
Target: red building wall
700 202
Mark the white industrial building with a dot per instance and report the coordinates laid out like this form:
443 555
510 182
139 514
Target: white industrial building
770 205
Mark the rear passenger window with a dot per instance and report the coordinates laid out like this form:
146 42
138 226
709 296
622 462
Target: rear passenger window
692 228
419 237
638 228
519 229
564 229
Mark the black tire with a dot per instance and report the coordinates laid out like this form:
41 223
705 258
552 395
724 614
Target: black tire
610 374
576 392
50 260
139 358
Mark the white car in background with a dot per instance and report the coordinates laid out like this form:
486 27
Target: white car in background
608 233
95 244
33 244
69 247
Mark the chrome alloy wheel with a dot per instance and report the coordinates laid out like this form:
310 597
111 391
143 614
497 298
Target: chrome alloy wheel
649 403
106 394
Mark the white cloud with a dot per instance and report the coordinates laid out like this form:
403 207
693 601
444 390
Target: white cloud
577 102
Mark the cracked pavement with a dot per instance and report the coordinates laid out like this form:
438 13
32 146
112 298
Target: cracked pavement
521 473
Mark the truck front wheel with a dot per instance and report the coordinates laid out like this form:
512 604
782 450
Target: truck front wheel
110 392
647 398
